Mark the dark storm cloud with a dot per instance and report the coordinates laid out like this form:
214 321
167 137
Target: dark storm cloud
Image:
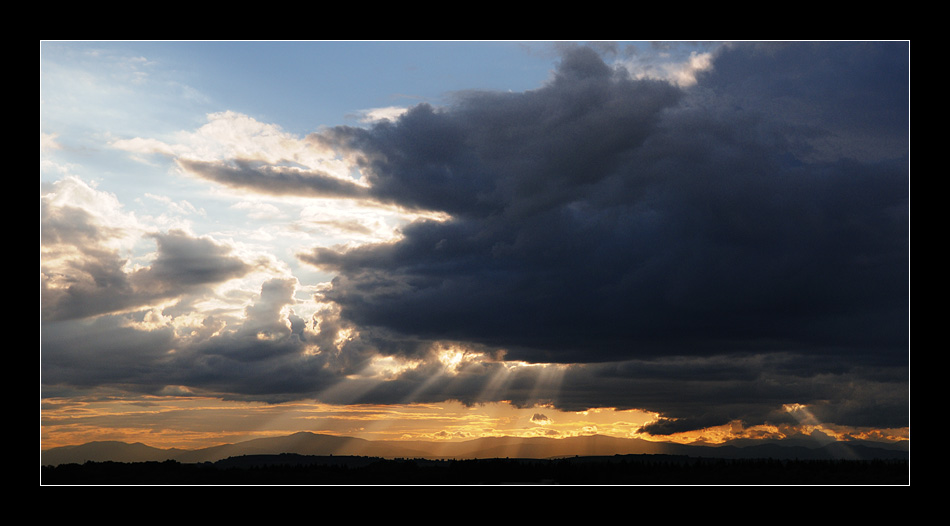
510 154
600 218
696 392
689 393
845 99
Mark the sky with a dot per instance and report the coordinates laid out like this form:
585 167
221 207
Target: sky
684 241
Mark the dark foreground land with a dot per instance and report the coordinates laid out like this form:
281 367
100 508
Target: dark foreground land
617 470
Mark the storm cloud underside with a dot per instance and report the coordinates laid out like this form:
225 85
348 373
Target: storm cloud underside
600 219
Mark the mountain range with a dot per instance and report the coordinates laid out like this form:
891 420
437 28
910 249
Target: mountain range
305 443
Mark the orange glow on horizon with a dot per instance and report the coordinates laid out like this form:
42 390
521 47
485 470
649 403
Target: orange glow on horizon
193 422
735 430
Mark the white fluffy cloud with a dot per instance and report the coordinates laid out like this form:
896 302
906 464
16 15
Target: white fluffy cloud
389 113
230 135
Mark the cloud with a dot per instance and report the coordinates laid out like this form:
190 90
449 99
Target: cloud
184 261
86 267
101 282
540 419
273 180
830 101
182 208
665 62
711 249
236 142
143 146
48 142
103 351
389 113
605 218
261 356
602 219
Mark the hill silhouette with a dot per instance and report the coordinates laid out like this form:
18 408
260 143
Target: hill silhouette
103 451
312 444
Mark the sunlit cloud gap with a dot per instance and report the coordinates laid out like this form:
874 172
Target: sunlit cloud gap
445 368
375 375
807 419
348 390
496 385
547 385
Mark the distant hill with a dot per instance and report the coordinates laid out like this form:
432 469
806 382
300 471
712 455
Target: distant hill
305 443
539 447
108 451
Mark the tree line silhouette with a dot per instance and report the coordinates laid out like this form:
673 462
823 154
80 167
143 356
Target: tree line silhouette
618 470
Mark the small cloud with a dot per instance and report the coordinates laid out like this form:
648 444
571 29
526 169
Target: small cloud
449 435
258 210
48 142
181 207
685 74
661 66
143 146
821 436
390 113
540 419
177 390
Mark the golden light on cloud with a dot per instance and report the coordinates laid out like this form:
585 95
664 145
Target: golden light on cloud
343 336
233 135
801 413
184 420
453 357
388 367
154 319
807 428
